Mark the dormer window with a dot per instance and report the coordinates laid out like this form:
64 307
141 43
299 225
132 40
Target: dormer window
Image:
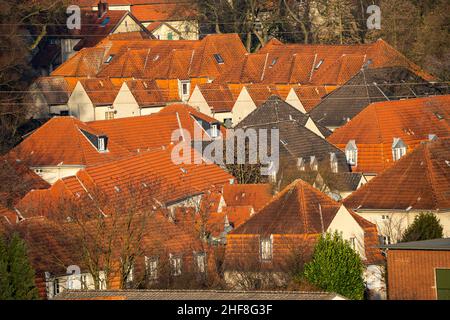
333 163
351 153
313 163
185 89
102 144
274 61
301 164
432 137
175 264
218 58
214 130
398 149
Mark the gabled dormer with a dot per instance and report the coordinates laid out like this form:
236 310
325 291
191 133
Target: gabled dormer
314 164
399 149
351 153
334 167
100 142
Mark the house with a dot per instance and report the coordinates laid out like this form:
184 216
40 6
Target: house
64 145
174 20
321 65
48 96
155 178
419 182
372 146
56 250
93 99
305 98
291 223
302 144
138 97
368 86
419 270
337 186
63 43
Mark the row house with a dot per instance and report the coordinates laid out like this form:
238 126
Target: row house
369 86
303 149
165 252
417 183
113 186
372 146
64 145
323 65
291 224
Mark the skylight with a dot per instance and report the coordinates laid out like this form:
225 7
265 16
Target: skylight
108 60
319 64
105 22
274 61
218 58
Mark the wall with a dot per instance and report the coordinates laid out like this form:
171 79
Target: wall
125 104
243 106
128 25
163 31
198 101
411 273
80 105
398 220
294 101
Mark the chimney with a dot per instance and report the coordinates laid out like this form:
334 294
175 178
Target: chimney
102 8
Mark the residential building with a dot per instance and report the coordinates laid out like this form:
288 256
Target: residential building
368 86
419 270
385 131
419 182
291 223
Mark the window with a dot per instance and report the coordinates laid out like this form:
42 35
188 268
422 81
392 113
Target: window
384 217
214 131
385 239
185 88
218 58
83 282
352 241
228 122
274 61
398 149
64 113
318 64
301 164
110 57
175 264
101 144
56 287
313 163
109 115
170 36
351 153
266 249
151 266
334 163
201 262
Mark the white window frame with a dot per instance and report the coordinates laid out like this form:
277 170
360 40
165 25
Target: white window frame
184 84
334 163
214 130
301 164
313 163
399 149
351 153
101 144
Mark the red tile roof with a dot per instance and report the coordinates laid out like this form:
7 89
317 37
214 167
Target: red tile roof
377 125
60 141
310 96
153 173
279 63
219 97
420 180
253 195
143 133
170 11
18 180
100 91
295 210
147 93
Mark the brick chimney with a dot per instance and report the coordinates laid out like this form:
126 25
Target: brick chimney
102 8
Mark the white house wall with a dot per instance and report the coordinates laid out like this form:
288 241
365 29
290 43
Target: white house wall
198 101
294 101
243 106
80 105
125 104
52 174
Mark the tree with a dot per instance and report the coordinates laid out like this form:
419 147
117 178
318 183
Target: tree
336 267
16 273
426 226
